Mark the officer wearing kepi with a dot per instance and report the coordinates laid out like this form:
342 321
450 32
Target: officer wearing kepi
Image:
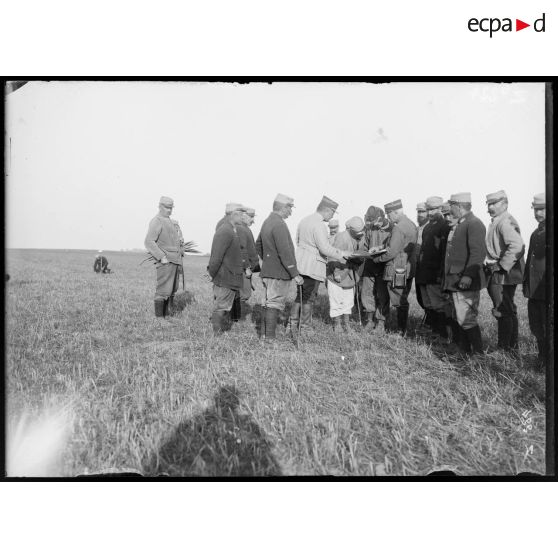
163 243
534 280
276 250
504 268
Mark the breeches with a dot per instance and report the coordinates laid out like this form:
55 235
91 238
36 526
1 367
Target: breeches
340 300
167 281
223 298
536 310
433 297
246 291
309 290
375 296
466 306
276 291
502 299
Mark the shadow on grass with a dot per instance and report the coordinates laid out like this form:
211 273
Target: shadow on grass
183 299
219 442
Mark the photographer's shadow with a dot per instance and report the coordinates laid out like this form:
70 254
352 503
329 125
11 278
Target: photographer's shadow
219 442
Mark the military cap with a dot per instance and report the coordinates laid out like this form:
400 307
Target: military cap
445 208
329 203
392 206
539 201
251 211
166 201
333 223
434 202
355 224
496 197
421 206
281 198
461 197
230 207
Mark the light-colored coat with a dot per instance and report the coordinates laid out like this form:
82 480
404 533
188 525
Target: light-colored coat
313 247
505 245
163 239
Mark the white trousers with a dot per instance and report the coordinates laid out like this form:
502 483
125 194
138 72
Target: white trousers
340 300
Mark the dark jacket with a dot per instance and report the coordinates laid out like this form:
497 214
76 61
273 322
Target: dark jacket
534 281
247 248
465 253
430 259
400 249
374 237
225 261
275 248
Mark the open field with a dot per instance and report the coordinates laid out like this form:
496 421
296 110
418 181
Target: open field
178 401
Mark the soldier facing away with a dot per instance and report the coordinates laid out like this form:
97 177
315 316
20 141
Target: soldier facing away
164 244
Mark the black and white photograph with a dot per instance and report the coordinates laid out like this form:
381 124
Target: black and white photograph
278 278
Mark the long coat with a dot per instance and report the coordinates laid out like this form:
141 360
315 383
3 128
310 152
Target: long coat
504 244
313 247
275 248
534 281
400 249
163 240
347 271
430 259
465 253
225 261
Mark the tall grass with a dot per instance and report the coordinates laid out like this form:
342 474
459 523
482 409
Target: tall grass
178 401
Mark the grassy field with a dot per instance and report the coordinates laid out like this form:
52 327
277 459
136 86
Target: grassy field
178 401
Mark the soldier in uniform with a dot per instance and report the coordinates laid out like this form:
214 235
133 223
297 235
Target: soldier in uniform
225 266
250 261
430 266
374 294
463 274
343 277
422 219
534 281
163 243
333 229
101 263
400 262
504 268
276 250
313 249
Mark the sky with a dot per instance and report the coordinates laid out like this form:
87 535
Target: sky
87 162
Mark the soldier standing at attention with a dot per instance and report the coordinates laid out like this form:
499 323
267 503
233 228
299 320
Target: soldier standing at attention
504 267
400 262
534 281
276 250
163 243
313 249
463 274
225 266
333 229
374 294
342 277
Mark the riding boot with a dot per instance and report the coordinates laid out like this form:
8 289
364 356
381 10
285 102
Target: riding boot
514 339
236 310
295 315
345 322
160 308
369 322
270 322
475 338
442 331
217 319
402 314
455 331
428 319
306 315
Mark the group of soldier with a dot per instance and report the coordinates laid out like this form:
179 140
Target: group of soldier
449 254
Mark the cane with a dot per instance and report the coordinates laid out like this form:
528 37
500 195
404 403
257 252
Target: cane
299 310
357 298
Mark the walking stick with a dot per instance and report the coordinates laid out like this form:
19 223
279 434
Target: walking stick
300 310
357 298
